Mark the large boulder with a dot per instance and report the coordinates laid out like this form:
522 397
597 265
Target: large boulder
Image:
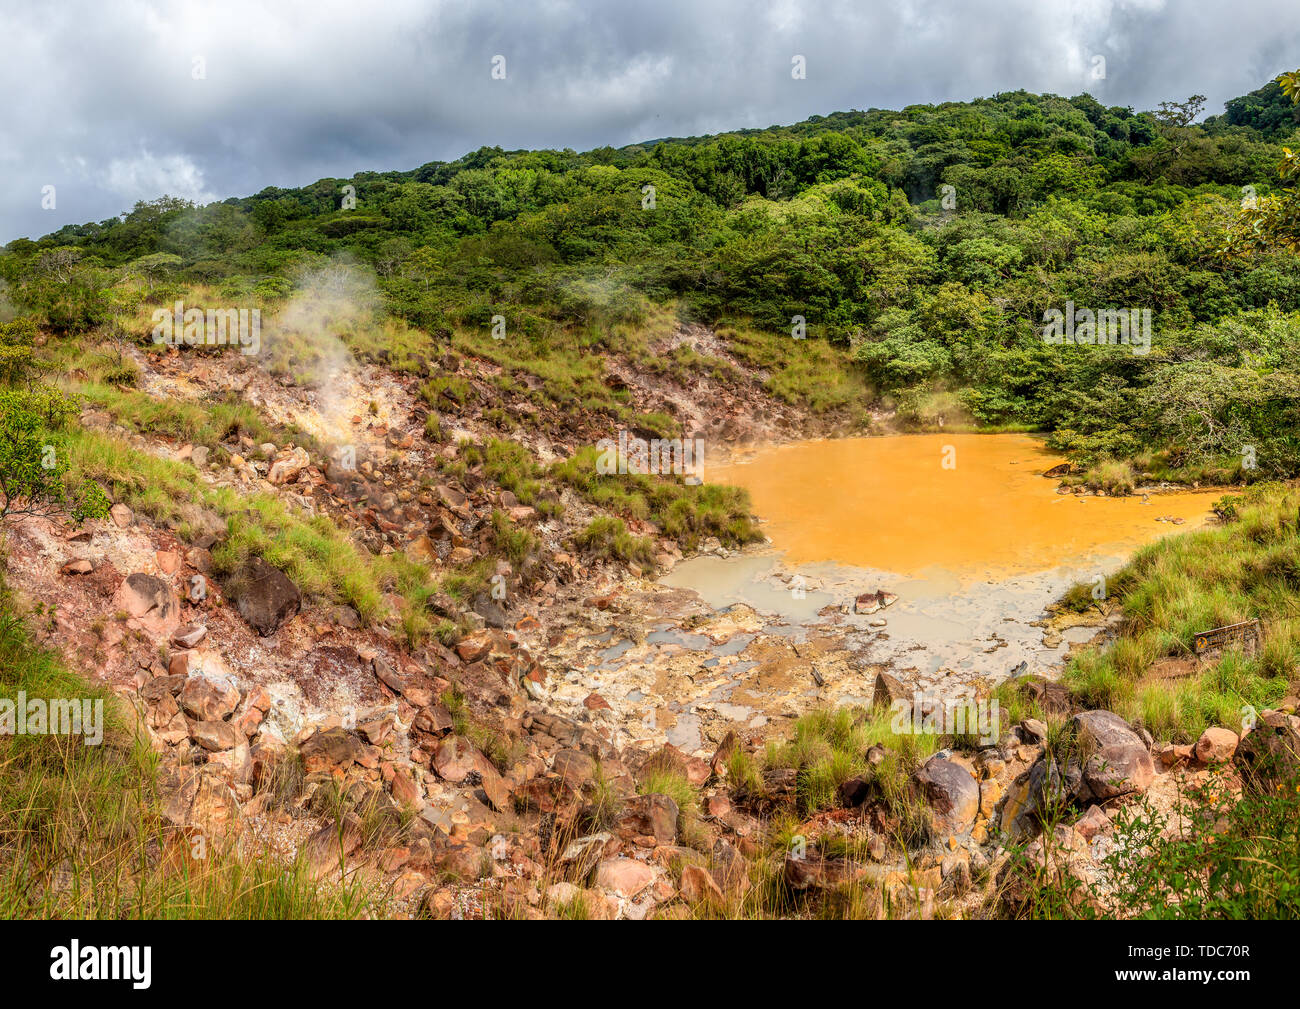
1114 759
456 758
327 850
1269 754
1052 698
951 792
263 595
193 796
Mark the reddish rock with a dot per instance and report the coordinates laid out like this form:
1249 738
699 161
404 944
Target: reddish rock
376 727
264 596
215 735
574 766
1093 822
150 601
951 792
888 691
434 719
1115 759
1216 746
475 646
1268 756
698 887
249 722
188 635
329 750
207 699
1174 754
652 816
454 758
327 850
717 805
624 876
724 751
405 790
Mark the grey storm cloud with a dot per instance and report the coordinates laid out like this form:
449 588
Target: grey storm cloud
114 102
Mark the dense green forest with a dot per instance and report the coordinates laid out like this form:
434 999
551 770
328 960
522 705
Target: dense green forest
925 245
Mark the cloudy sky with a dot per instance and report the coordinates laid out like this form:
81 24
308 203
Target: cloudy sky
114 101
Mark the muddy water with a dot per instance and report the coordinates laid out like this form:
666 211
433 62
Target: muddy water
964 529
933 505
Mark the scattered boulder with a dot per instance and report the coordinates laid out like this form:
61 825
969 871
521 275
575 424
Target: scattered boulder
329 750
1052 698
475 646
216 735
855 791
952 794
582 854
1216 746
188 635
263 595
1033 794
815 872
574 766
192 796
288 466
328 848
871 602
1114 759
